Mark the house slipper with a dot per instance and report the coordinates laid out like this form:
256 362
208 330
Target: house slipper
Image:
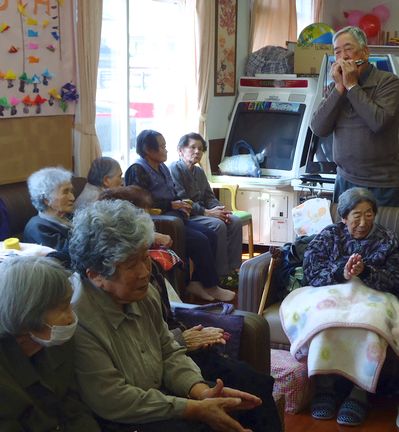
323 406
352 412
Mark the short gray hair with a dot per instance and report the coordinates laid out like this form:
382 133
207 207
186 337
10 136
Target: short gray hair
30 287
352 197
107 233
356 32
43 185
100 168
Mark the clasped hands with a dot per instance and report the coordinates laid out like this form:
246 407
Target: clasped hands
220 213
199 337
345 74
354 266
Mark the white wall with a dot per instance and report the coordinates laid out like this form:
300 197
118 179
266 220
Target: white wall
334 11
221 106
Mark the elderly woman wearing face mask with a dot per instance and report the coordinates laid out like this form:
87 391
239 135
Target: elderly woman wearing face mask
352 267
37 386
51 192
131 371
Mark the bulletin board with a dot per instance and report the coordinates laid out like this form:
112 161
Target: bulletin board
29 144
37 51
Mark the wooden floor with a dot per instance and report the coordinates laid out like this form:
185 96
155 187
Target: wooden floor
381 418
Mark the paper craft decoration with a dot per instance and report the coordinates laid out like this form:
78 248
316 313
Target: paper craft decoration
33 59
10 77
38 39
53 95
4 27
31 22
39 101
47 75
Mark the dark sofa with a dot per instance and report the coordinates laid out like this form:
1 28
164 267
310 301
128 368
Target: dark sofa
255 346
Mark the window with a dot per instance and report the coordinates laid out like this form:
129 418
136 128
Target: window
146 76
303 14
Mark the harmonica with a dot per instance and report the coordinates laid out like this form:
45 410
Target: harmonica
359 62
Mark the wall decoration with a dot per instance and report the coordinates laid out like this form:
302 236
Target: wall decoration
225 48
38 67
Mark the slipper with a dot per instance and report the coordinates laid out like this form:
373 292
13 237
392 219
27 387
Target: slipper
323 406
352 412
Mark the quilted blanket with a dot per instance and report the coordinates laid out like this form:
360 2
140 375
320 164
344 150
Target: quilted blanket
342 329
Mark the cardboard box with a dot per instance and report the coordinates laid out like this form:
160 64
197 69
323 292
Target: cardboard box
307 59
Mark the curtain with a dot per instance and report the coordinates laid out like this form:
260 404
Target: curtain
206 49
87 146
273 22
317 10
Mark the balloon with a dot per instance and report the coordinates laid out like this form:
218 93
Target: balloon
370 24
382 12
353 17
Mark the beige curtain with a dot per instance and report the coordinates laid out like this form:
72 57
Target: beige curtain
317 10
87 146
273 22
206 48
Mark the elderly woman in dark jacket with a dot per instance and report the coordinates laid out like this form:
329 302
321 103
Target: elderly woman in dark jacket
51 193
38 391
151 173
354 247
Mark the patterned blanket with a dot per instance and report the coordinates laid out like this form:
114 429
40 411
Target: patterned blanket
343 329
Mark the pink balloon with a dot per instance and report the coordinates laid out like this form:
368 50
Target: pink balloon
353 17
382 12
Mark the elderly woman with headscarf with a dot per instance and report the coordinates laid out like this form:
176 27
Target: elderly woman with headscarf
38 391
151 173
104 173
191 183
130 369
355 264
51 192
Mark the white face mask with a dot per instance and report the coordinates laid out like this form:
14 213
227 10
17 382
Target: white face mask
58 335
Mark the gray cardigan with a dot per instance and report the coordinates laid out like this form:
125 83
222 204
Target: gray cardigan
365 123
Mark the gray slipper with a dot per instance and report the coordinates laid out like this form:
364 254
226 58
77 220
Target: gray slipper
352 412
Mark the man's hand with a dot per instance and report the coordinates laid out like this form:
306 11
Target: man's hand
354 266
349 73
203 337
219 212
336 74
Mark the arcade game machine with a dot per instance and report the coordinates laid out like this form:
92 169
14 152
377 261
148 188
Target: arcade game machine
271 114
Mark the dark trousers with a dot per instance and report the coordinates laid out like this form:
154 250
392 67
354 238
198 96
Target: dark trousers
386 197
201 243
240 375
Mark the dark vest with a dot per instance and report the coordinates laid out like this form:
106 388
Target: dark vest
162 186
